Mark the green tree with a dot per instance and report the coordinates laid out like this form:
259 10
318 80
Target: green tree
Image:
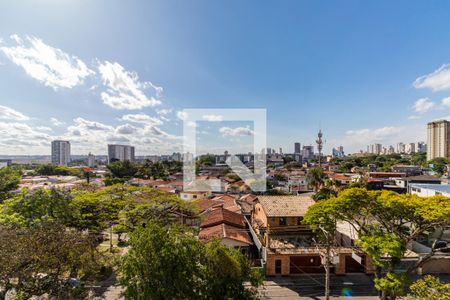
122 169
32 207
322 220
429 288
9 180
41 259
314 177
386 222
168 262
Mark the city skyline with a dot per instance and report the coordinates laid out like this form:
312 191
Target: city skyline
94 88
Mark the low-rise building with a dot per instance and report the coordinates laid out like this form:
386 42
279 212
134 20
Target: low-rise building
428 190
227 226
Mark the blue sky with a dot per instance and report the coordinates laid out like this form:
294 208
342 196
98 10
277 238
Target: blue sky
98 72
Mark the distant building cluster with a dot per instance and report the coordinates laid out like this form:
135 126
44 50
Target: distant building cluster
401 148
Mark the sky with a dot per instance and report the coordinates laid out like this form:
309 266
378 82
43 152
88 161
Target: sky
110 71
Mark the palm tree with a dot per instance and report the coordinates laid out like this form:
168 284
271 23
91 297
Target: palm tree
314 177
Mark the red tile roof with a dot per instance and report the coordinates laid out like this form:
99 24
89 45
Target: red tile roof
222 231
222 215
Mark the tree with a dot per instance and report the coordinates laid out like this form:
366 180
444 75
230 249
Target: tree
322 220
314 177
31 207
122 169
430 288
324 193
9 180
51 169
168 262
41 259
386 222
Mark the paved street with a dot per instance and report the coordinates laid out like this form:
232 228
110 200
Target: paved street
354 286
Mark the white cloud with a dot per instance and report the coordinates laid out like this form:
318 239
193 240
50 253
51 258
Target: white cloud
445 102
438 80
7 113
164 111
182 115
414 117
238 131
56 122
423 105
126 129
213 118
141 118
124 90
91 125
20 138
51 66
44 128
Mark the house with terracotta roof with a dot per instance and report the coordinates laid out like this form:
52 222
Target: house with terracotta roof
227 226
288 247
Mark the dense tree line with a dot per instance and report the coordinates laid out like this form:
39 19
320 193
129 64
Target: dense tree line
382 162
385 222
146 170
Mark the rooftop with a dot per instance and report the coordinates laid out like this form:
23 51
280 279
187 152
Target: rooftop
443 188
286 206
222 215
221 231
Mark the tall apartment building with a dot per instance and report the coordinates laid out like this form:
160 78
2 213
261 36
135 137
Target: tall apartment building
421 147
308 152
297 149
410 148
401 148
60 152
438 139
91 160
375 149
120 152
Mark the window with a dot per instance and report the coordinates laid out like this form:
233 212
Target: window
282 221
299 220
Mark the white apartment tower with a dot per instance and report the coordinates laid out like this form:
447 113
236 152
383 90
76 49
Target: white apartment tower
438 139
60 152
120 152
91 160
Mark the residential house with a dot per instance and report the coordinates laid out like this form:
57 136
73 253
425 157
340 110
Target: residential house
227 226
288 246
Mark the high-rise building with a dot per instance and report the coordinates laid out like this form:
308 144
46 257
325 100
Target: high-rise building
120 152
421 147
438 139
297 148
91 160
375 149
308 152
60 152
410 148
281 151
400 148
391 150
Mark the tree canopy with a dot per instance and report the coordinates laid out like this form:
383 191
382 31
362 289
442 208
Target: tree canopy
9 180
168 262
385 222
